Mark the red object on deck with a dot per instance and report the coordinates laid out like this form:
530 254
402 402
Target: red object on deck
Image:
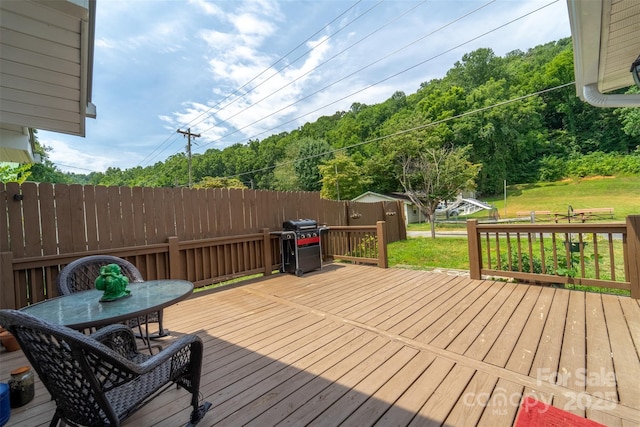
534 413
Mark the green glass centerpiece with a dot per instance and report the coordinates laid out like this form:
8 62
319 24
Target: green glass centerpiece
112 282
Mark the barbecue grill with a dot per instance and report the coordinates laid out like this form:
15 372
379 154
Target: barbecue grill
301 249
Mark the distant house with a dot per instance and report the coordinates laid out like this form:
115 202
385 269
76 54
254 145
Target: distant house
411 212
464 205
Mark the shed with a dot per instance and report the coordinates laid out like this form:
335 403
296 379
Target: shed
411 212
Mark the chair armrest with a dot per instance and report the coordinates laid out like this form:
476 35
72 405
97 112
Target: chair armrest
118 338
181 352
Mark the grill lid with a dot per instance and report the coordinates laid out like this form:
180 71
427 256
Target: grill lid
299 224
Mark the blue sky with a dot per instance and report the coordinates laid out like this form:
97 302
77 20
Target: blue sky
239 70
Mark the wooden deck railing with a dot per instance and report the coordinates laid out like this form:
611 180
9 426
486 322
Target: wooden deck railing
360 244
603 255
205 261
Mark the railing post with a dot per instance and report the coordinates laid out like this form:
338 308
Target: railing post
475 262
8 288
267 256
174 258
383 261
633 254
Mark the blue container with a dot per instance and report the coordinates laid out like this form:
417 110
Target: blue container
5 408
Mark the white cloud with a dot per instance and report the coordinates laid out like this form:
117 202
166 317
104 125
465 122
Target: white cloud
208 8
251 24
73 159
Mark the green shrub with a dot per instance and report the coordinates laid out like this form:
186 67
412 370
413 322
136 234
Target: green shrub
552 168
605 164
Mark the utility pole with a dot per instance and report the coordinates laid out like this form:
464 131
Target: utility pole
189 135
337 184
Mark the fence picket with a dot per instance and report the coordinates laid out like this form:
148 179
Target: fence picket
127 216
90 217
32 241
102 217
137 216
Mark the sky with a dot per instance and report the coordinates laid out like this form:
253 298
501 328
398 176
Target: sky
234 71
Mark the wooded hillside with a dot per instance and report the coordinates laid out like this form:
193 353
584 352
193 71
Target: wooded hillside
527 140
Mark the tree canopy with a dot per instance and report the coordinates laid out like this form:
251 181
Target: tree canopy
527 140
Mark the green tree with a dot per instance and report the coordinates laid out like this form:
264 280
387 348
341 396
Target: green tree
437 174
342 178
209 182
630 118
476 68
311 154
47 171
504 138
284 177
17 173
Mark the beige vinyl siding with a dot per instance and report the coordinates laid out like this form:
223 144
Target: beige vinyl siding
41 68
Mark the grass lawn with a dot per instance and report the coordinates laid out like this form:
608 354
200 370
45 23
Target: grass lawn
620 193
426 253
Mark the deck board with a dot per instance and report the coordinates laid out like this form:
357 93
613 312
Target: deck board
361 346
475 328
507 330
599 358
620 341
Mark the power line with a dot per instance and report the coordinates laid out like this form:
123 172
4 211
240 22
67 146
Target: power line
73 167
324 63
339 80
381 81
268 68
371 85
402 132
292 62
315 68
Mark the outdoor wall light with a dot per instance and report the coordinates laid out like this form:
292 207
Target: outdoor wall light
635 71
18 197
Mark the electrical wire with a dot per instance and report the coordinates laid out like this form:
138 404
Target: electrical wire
337 81
405 131
353 93
370 85
191 123
292 62
226 120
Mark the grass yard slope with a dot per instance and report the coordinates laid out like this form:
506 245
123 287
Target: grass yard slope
620 193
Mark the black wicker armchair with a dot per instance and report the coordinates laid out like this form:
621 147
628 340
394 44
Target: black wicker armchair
101 379
80 275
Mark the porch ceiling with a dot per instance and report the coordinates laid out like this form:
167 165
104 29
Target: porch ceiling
606 40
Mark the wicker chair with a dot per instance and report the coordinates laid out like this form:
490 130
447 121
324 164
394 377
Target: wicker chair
80 275
101 379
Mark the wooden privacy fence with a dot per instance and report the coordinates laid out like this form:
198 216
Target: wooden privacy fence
605 255
201 235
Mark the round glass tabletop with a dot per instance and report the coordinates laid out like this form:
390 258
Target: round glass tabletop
84 309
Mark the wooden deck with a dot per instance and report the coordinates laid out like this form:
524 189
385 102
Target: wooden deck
355 345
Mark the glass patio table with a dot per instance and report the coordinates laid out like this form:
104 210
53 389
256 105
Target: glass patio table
83 309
